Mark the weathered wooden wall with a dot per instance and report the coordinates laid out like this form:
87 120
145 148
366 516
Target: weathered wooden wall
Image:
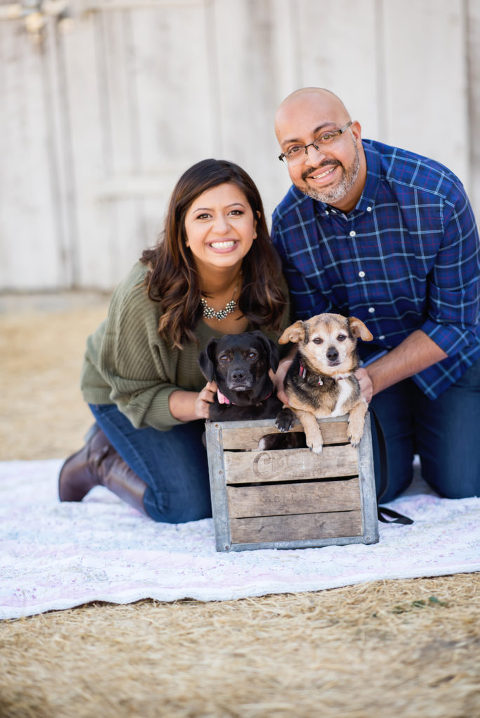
100 118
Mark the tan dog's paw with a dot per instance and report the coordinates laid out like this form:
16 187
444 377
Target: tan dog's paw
314 442
356 423
354 437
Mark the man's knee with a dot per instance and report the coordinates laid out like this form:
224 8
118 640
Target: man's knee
453 476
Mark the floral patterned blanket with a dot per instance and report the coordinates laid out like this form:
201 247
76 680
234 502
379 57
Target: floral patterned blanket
55 556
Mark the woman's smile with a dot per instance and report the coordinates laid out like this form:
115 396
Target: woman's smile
224 245
220 227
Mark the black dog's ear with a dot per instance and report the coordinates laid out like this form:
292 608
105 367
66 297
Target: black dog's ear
206 359
271 349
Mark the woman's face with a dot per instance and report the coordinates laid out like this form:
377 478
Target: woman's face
220 227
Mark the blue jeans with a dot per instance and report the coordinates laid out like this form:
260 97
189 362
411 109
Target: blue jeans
173 464
444 432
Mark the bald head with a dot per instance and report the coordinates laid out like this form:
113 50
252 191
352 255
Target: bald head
311 99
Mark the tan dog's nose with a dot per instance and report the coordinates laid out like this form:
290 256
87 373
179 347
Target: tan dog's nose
332 354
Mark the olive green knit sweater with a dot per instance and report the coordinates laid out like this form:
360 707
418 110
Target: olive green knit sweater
128 364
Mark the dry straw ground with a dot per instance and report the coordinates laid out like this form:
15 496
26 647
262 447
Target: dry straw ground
404 648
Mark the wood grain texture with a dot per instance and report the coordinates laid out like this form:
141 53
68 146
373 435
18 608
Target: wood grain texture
299 527
297 498
247 438
290 465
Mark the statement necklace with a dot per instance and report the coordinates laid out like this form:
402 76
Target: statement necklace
210 313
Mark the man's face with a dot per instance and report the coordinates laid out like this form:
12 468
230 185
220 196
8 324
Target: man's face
335 173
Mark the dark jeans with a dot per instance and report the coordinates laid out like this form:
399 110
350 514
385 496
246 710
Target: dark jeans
173 464
444 432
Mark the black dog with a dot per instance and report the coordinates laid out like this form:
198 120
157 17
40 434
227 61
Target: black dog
239 364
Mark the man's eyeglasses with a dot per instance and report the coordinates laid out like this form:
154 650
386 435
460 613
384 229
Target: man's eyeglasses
296 153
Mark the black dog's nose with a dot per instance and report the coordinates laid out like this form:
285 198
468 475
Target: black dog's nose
332 354
238 375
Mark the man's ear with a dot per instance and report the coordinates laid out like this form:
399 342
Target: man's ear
294 333
206 360
271 349
358 329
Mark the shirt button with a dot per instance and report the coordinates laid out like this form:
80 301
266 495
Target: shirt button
371 310
361 274
381 337
369 209
326 212
353 234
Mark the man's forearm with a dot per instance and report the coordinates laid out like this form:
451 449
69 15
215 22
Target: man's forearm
415 353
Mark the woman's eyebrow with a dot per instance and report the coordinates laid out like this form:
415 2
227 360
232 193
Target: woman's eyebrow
232 204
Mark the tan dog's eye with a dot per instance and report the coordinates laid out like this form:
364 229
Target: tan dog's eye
341 337
317 340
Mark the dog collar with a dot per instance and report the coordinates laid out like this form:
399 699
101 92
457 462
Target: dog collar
303 373
222 399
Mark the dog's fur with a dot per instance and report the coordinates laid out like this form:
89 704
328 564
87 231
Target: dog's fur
320 381
239 364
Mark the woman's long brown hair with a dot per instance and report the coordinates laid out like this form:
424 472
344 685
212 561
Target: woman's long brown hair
173 279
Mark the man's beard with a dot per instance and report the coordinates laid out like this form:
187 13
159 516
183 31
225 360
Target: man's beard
339 191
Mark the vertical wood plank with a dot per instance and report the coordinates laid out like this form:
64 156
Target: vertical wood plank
425 72
472 22
31 230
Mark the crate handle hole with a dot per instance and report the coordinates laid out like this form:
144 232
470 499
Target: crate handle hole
289 440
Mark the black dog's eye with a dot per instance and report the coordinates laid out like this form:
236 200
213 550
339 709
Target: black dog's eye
224 357
317 340
341 337
252 355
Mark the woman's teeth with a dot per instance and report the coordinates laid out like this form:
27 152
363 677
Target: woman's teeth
223 245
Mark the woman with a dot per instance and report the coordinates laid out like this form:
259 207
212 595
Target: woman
215 272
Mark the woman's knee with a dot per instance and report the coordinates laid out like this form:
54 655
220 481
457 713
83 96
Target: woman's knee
177 507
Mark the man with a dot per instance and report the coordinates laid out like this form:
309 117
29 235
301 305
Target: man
388 236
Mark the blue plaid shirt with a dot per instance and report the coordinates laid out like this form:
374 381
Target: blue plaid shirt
407 257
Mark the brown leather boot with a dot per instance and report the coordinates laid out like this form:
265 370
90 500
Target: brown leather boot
80 472
98 464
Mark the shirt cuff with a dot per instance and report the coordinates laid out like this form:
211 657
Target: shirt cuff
448 337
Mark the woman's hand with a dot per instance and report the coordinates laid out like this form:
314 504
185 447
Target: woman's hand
204 399
192 405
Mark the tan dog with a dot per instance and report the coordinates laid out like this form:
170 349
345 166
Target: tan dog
320 381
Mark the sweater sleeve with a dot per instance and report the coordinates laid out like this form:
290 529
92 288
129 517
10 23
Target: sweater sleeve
127 356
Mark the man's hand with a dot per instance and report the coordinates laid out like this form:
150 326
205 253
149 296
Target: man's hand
366 386
279 379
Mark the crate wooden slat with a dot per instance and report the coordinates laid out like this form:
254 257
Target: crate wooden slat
247 437
298 498
296 527
290 498
263 466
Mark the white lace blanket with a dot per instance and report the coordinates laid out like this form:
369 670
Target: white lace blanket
55 556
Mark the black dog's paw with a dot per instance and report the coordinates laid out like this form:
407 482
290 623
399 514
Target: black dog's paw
294 440
285 420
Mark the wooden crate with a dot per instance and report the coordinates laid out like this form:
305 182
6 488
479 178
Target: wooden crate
290 498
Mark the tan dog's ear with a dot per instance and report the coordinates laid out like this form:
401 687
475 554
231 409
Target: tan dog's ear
294 333
359 329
